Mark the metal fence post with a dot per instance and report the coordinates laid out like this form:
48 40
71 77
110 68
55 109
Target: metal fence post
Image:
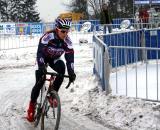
144 56
107 70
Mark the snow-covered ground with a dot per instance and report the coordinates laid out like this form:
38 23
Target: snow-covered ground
141 81
84 105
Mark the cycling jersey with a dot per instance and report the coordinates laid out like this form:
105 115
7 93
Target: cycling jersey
51 48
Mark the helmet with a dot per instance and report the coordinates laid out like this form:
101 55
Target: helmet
63 23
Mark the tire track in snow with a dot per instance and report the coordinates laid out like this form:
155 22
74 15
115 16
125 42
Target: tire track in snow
14 102
13 111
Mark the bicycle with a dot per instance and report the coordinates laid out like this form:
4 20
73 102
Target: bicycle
43 106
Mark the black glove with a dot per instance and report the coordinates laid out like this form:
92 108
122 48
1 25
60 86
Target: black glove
43 70
72 77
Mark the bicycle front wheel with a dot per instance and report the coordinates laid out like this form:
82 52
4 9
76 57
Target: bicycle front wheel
51 114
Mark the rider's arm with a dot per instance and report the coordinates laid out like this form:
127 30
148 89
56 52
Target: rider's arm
69 55
43 43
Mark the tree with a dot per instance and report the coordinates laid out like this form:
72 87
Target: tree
19 11
119 10
79 6
91 8
30 14
95 7
4 10
2 5
16 10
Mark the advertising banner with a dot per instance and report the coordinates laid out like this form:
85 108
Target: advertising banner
155 1
141 2
10 28
36 28
21 29
2 29
7 28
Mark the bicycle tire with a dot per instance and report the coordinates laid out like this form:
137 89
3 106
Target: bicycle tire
37 116
38 109
51 122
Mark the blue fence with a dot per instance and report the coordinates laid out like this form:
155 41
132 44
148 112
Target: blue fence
152 39
119 56
21 28
123 39
134 38
37 28
119 20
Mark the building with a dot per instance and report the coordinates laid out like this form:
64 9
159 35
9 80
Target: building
74 16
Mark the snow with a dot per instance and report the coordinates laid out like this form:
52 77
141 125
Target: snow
144 84
84 105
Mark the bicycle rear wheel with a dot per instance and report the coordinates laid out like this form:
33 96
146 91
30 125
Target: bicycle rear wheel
51 115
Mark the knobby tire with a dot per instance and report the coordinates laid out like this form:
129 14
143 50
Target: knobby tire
54 95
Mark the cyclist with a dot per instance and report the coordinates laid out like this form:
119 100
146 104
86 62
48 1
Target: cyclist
51 46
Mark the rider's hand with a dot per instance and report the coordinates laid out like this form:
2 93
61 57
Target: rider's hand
72 77
43 70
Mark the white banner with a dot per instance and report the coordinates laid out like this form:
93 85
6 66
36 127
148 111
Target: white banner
7 28
141 1
155 1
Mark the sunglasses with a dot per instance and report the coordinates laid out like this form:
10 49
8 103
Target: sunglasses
63 31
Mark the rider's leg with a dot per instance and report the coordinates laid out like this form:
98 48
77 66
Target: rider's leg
34 95
59 67
38 85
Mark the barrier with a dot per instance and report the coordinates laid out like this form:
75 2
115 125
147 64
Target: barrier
119 20
127 78
101 63
124 49
138 38
21 28
28 34
152 39
132 38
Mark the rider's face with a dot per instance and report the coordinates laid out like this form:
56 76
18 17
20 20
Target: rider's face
62 33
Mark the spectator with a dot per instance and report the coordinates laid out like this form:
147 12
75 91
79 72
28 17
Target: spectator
106 17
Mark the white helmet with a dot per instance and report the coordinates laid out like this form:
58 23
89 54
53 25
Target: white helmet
63 23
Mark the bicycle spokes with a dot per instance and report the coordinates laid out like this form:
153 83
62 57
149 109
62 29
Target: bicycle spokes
51 117
46 110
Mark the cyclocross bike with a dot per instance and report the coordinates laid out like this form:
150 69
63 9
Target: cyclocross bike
49 114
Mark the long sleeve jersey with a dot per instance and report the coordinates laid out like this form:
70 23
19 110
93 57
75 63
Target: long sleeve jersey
51 48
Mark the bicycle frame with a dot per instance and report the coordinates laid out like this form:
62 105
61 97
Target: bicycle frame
41 108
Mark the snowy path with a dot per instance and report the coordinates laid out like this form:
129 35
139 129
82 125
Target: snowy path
16 85
84 105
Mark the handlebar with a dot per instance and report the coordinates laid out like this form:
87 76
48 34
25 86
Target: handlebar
56 74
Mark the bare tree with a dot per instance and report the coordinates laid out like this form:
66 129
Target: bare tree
95 7
121 8
78 6
118 8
